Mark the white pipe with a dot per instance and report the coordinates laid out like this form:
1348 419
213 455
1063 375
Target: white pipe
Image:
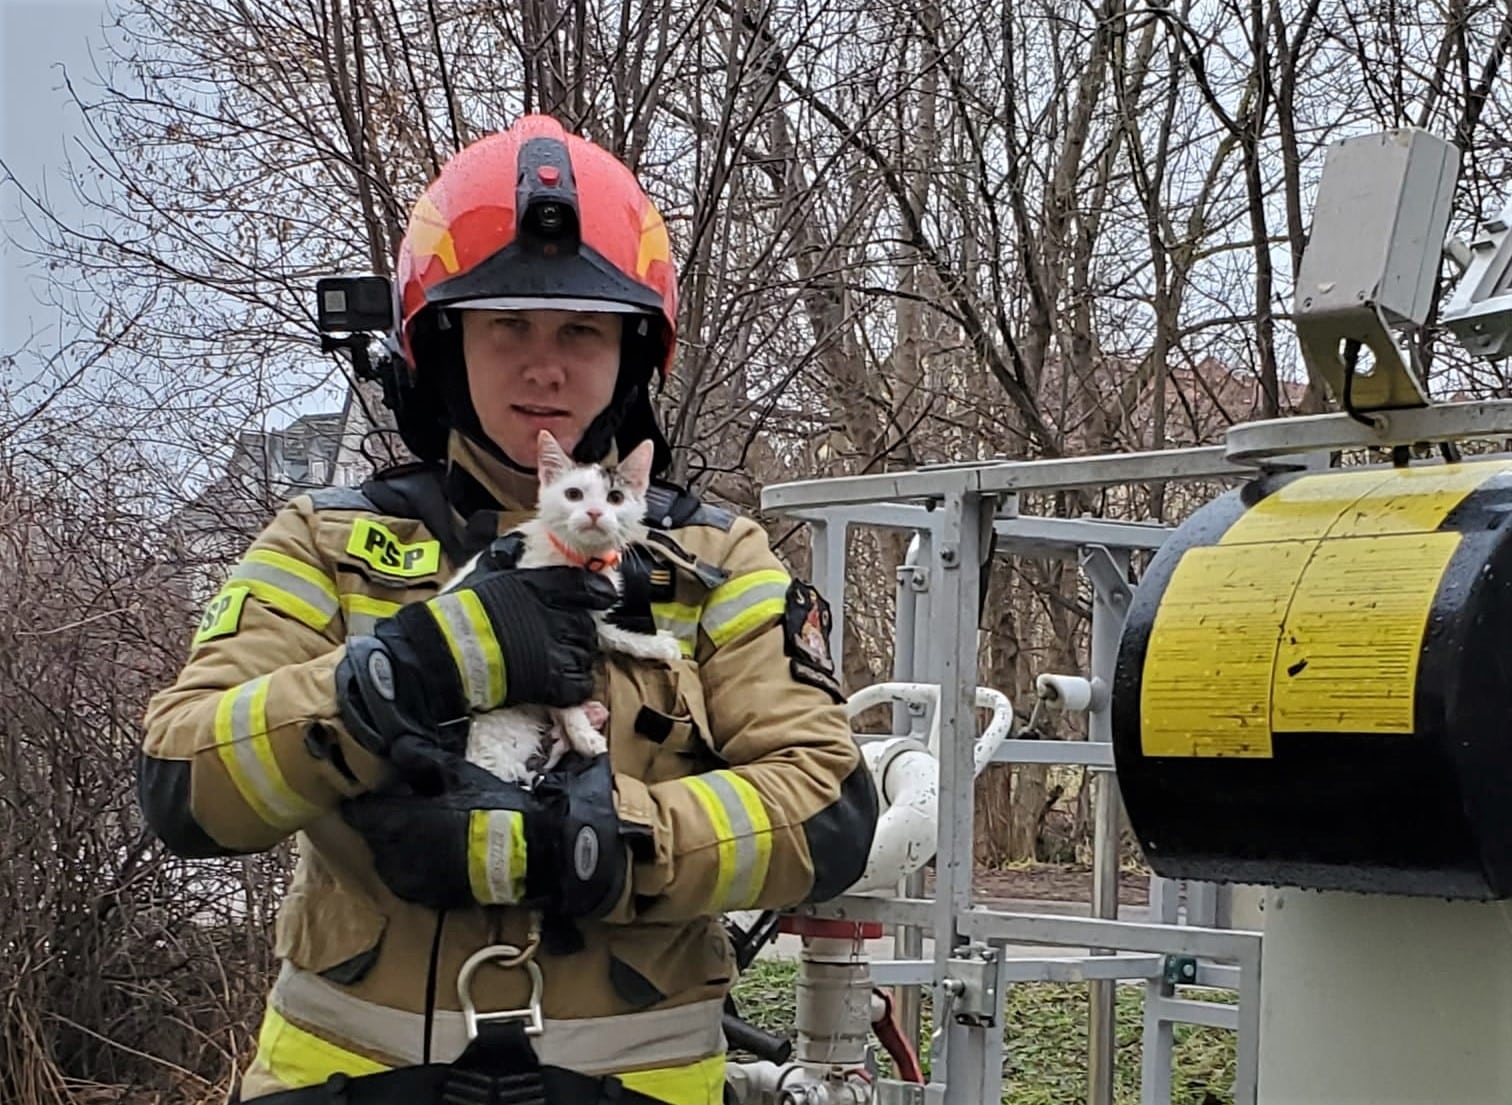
927 695
914 694
908 780
997 729
755 1083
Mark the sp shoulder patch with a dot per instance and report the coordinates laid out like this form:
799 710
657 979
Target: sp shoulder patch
376 546
222 616
806 627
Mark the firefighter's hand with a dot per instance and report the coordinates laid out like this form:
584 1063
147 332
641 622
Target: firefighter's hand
458 846
577 834
501 638
559 847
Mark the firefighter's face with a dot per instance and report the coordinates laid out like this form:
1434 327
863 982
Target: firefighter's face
537 370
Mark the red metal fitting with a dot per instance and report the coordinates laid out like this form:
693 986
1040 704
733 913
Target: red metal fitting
826 927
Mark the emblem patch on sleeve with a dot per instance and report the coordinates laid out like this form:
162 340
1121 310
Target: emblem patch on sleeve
806 634
222 615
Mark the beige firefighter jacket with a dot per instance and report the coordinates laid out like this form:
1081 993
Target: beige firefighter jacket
739 759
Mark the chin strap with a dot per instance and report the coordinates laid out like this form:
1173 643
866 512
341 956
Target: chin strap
599 563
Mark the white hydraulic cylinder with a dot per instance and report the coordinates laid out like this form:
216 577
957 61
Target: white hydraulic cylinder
1385 1000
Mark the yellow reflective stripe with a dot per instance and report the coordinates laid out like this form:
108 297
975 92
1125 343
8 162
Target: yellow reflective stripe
474 648
290 586
743 836
244 747
298 1058
679 619
362 613
656 1038
744 603
700 1083
496 856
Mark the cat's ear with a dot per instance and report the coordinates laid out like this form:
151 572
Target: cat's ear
551 462
635 469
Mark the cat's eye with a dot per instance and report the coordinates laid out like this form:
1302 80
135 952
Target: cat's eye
574 494
616 497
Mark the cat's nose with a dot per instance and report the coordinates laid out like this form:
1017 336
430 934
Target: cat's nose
595 515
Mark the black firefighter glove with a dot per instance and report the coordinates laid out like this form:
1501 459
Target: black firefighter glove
559 848
499 638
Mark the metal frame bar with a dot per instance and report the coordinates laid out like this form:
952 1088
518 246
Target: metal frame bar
950 508
938 482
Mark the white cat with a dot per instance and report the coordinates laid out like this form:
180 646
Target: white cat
586 515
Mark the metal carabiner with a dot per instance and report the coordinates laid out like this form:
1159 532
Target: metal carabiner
512 957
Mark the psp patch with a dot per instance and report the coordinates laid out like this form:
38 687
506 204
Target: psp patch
806 625
378 547
222 616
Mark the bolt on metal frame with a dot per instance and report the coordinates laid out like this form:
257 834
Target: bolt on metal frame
952 509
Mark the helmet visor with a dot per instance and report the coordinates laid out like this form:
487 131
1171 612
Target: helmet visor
548 303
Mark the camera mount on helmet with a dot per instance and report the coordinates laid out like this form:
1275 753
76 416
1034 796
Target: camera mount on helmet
546 199
356 314
353 313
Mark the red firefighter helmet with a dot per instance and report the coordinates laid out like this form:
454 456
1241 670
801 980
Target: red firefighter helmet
536 217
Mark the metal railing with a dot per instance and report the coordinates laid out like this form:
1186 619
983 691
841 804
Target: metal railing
951 510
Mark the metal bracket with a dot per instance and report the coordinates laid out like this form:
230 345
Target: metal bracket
1180 970
892 1092
1106 576
889 1091
978 1003
1379 219
916 577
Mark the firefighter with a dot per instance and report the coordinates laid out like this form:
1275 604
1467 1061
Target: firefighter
445 932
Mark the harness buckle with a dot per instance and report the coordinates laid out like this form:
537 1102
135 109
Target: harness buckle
507 955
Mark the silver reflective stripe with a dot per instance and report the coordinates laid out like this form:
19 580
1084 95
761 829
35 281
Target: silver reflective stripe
470 650
594 1045
311 603
755 595
361 625
743 884
363 613
246 750
680 620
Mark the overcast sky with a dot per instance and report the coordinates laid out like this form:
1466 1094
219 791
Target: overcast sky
37 37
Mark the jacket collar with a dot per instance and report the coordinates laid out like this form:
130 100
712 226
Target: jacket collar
487 496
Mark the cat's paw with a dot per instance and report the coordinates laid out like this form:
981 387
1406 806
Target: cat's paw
597 714
589 743
665 647
577 732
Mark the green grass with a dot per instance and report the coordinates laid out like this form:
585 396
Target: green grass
1045 1036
